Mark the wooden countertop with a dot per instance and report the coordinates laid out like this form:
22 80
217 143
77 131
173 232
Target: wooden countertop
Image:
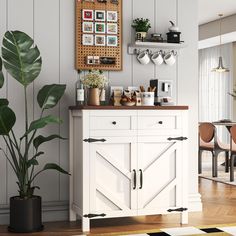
129 108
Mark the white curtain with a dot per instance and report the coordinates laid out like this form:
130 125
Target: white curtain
214 101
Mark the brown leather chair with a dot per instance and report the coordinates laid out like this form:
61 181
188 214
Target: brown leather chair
208 141
233 151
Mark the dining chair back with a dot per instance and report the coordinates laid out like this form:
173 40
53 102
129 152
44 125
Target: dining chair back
233 151
233 133
206 132
208 141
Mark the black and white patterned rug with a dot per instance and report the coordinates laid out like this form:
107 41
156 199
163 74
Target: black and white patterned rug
191 231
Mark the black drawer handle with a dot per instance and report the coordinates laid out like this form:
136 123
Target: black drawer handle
114 123
160 122
141 179
177 139
178 209
92 140
135 179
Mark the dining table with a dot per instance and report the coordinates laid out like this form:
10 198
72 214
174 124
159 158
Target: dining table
228 124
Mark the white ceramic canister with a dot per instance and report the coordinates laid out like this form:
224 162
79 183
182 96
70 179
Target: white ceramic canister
148 98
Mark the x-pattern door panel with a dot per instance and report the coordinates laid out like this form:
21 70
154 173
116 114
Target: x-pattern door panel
112 177
159 163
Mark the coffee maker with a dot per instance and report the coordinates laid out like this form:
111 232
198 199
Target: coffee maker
163 93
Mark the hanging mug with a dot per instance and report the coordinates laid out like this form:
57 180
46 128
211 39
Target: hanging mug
143 58
157 58
170 58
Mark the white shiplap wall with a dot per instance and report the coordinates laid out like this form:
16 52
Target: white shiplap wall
51 23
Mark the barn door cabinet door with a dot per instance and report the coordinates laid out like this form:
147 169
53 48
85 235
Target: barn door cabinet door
160 175
113 165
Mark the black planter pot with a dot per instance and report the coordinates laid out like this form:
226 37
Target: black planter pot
25 215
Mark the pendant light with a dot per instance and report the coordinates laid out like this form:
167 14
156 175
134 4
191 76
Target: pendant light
220 68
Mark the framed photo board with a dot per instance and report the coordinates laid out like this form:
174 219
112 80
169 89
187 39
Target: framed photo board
98 34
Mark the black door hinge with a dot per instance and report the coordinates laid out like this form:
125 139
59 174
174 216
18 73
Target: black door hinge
178 209
94 215
92 140
177 139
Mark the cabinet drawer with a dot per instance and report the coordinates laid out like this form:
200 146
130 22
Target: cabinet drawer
157 122
110 123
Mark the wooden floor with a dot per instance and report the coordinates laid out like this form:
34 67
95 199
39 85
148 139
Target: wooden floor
219 207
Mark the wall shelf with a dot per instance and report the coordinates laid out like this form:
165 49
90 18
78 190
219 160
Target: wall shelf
142 46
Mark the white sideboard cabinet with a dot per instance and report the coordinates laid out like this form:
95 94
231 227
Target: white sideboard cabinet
128 162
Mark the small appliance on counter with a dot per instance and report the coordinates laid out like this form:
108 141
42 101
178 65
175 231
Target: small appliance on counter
163 93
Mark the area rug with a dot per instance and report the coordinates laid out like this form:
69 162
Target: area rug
222 176
181 231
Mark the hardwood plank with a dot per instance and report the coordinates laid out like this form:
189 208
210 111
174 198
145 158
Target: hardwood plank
143 73
19 20
47 38
68 76
124 77
162 24
3 162
219 207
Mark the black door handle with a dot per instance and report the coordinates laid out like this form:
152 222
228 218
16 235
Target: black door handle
92 140
135 179
141 179
94 215
178 209
177 139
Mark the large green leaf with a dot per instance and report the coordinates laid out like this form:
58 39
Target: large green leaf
33 161
7 120
42 122
41 139
20 57
52 166
3 102
49 95
1 74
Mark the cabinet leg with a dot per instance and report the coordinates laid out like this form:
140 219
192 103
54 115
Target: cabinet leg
72 215
184 218
85 224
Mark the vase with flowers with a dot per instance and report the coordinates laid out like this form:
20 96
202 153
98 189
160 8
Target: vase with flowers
95 81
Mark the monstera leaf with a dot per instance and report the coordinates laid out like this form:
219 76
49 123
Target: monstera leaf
20 57
7 120
49 95
1 74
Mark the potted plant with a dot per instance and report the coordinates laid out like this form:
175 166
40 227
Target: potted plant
141 27
95 81
22 60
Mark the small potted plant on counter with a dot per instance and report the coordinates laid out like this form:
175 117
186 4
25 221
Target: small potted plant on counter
141 27
22 60
95 81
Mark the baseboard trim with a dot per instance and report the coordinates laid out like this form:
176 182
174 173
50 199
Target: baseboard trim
52 211
59 210
195 202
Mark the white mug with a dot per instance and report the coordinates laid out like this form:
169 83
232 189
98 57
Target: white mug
157 58
143 58
170 59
